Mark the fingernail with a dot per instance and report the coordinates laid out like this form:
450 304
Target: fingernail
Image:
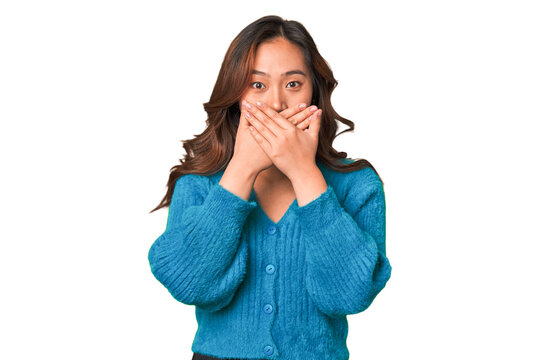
248 105
259 104
248 115
302 106
313 108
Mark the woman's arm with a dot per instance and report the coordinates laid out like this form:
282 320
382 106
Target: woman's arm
346 263
200 258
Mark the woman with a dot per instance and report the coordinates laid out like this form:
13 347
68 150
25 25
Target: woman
272 234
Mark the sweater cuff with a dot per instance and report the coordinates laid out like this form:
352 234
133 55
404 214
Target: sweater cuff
324 208
231 208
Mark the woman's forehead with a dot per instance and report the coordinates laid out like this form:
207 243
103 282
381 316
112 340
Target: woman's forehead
278 57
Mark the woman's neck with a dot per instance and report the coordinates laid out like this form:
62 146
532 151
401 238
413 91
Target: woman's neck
272 174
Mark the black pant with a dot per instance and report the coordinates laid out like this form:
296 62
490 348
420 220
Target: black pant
197 356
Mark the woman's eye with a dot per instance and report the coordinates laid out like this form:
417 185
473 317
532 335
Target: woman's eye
293 82
256 85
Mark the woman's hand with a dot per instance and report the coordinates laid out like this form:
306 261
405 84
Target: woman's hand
246 149
298 115
289 148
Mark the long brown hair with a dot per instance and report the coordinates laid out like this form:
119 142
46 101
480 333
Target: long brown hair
211 151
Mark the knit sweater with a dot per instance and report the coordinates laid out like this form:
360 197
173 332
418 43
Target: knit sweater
266 290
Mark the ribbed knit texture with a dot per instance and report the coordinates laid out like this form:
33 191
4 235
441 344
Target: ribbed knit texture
274 291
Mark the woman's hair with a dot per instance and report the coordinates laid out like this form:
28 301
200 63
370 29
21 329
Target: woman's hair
210 152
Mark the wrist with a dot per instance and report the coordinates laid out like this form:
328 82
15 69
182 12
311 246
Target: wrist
301 174
242 169
238 180
308 185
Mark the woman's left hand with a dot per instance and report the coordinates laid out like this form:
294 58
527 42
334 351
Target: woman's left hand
291 150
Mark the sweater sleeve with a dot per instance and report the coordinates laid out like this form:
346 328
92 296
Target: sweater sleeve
346 263
200 258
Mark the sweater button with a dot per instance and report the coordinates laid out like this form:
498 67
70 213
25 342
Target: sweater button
268 308
271 229
268 350
270 269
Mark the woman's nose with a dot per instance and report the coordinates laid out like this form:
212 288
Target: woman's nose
276 99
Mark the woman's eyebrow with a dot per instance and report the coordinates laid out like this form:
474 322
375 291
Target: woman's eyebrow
288 73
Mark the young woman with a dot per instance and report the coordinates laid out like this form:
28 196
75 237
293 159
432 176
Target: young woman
272 234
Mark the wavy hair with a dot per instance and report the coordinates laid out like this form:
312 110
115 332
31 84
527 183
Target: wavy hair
211 151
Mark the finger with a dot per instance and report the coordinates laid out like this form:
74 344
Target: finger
261 140
265 113
303 115
243 121
315 123
288 112
304 124
260 126
266 126
245 113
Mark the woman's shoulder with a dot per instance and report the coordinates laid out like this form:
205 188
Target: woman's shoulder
365 175
353 188
199 183
192 182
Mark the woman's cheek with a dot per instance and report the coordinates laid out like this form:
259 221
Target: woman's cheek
251 98
303 99
303 96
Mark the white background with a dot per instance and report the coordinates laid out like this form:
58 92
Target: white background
96 96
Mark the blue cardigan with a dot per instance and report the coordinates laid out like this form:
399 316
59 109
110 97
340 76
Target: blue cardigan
267 290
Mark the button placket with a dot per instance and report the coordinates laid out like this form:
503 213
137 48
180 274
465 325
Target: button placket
268 308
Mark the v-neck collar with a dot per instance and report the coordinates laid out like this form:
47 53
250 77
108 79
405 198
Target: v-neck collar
294 204
290 208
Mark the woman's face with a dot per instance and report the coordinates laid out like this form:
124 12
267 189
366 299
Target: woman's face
280 76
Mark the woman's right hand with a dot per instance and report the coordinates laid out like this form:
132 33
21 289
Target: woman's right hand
247 151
